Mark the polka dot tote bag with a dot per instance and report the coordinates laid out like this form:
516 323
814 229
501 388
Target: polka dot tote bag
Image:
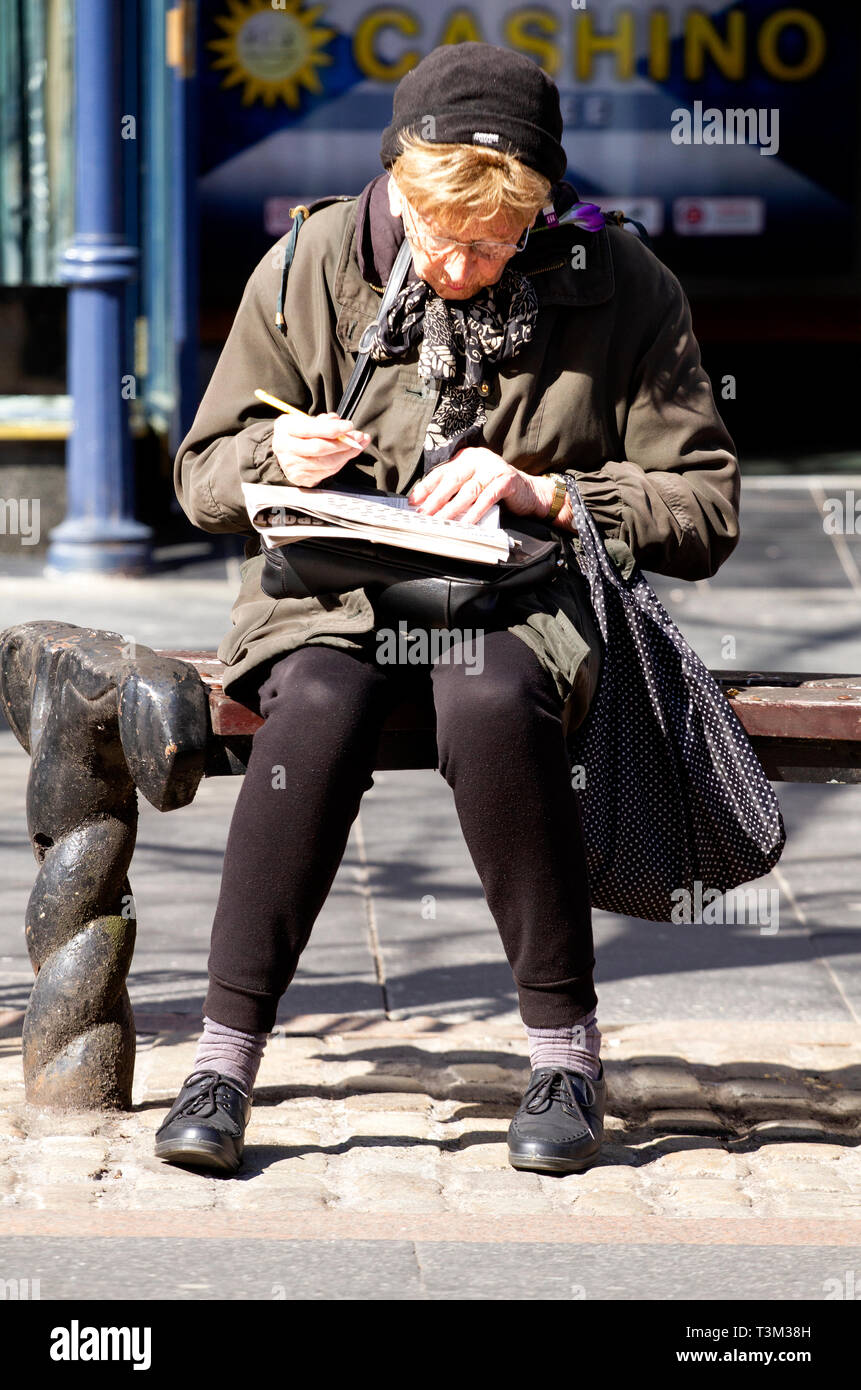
673 793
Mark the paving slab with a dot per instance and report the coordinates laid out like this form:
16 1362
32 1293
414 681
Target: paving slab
643 969
193 1271
784 542
785 630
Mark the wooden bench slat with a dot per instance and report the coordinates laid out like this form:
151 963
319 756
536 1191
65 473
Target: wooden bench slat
229 718
782 705
813 712
763 714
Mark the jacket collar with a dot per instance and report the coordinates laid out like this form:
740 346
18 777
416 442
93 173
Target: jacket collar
379 235
373 237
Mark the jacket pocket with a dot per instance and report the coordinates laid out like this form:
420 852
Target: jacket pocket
251 620
250 613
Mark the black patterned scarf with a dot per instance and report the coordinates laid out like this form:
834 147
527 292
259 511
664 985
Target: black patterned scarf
460 339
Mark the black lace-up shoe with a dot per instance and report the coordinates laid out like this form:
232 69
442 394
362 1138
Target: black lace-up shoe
206 1126
560 1124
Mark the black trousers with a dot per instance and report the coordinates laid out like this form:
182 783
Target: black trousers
502 752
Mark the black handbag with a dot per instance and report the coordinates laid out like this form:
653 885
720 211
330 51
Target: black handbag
425 589
406 584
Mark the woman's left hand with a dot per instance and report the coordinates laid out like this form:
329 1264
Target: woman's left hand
473 480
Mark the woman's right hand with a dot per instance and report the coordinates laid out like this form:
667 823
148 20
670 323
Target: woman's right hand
308 449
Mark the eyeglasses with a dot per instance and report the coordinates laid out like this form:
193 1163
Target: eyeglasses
441 245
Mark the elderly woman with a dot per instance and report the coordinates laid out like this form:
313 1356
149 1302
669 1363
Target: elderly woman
523 350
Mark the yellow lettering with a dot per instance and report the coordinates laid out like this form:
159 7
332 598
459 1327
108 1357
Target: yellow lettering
727 54
365 44
587 43
520 34
659 45
769 38
462 27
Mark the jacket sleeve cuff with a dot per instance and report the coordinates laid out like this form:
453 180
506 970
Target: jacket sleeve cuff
253 461
602 500
257 462
601 495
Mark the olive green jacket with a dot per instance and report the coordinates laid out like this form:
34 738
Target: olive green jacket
609 389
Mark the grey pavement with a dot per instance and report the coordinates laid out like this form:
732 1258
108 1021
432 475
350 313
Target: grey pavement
406 937
185 603
375 1271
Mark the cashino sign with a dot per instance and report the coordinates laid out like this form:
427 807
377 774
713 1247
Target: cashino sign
294 96
391 39
277 47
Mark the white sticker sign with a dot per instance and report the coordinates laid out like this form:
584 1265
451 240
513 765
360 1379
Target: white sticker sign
719 216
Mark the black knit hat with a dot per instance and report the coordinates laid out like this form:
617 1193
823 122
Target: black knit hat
478 94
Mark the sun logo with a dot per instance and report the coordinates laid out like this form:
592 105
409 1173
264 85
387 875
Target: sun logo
273 49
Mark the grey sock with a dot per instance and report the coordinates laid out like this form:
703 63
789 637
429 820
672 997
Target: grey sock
576 1048
236 1054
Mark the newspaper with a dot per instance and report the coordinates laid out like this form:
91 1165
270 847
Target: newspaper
282 513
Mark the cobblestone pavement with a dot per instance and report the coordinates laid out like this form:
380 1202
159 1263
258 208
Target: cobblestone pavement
394 1122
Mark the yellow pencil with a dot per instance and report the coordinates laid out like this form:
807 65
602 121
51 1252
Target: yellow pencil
294 410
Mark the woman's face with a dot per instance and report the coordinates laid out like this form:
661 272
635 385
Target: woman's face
458 273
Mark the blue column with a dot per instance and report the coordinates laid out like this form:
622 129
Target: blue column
183 237
99 532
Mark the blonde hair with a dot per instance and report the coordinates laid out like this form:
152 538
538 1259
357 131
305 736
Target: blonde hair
459 183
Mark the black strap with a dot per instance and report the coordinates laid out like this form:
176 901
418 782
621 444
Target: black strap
300 215
619 218
365 363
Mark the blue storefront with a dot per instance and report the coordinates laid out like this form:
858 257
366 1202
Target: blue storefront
150 153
